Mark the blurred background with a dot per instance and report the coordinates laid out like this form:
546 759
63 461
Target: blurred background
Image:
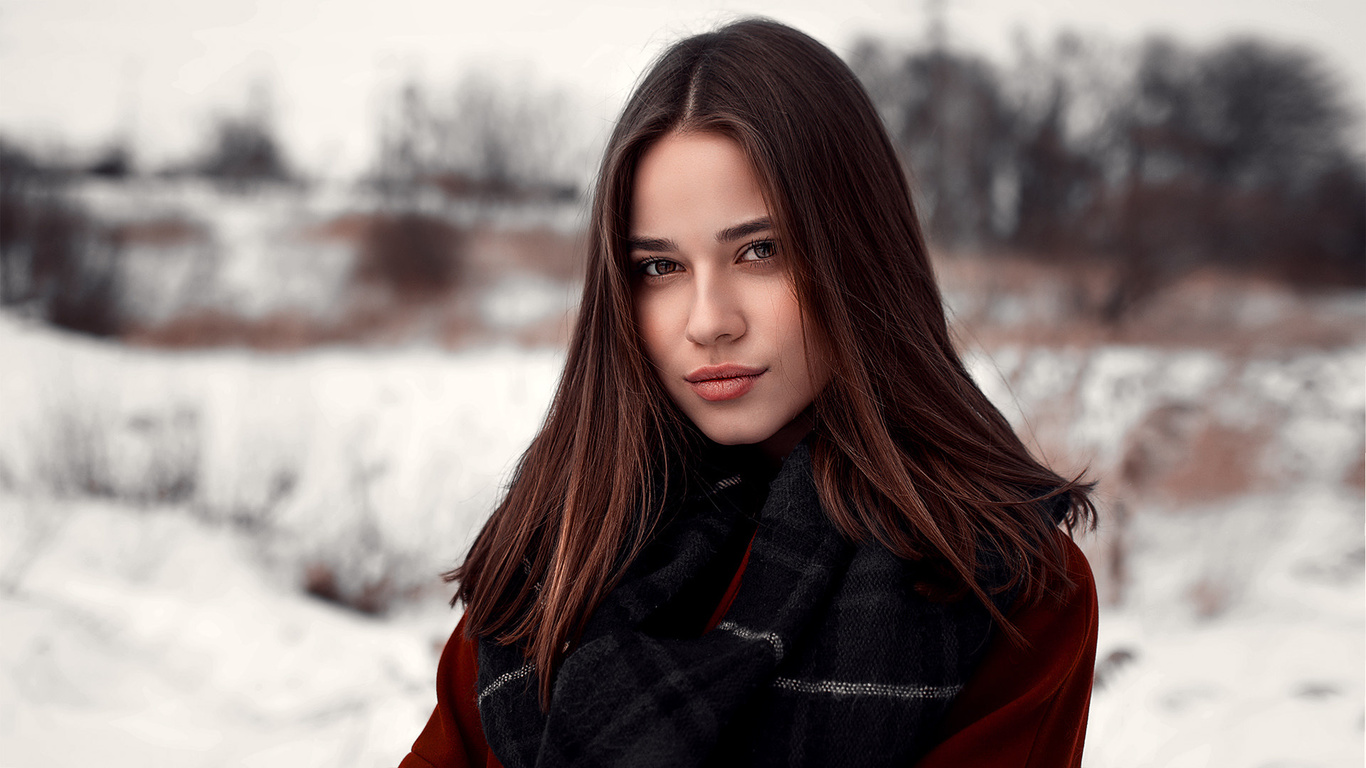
284 290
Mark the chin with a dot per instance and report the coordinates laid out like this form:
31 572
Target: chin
741 429
736 434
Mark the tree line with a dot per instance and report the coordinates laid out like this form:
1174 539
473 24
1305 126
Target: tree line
1153 159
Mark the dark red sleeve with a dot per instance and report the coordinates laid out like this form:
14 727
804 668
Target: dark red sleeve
453 737
1027 706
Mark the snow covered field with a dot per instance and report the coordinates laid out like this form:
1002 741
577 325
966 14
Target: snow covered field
161 514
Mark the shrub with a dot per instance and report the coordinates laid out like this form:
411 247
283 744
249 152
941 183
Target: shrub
55 259
412 256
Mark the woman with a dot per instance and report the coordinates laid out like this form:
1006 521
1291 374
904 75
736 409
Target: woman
770 519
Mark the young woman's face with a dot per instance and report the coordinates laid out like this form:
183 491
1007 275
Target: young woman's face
714 300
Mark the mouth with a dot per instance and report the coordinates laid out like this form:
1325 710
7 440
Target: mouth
715 383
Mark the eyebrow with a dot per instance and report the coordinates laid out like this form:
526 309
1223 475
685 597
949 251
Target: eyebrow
741 231
652 244
727 235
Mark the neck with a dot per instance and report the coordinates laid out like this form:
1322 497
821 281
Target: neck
780 443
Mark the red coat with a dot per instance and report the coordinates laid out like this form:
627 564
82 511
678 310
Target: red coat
1024 706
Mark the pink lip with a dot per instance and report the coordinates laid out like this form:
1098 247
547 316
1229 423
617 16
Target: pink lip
715 383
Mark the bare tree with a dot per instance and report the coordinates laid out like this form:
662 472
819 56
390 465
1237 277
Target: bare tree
242 147
1230 153
949 117
487 137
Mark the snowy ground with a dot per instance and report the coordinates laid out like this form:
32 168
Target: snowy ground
146 637
159 514
1273 680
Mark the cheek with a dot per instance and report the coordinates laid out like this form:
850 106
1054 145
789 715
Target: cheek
653 325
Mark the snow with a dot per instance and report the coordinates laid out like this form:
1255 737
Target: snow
519 300
160 512
149 638
1313 402
343 455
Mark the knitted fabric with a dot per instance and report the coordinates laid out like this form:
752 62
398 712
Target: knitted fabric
827 656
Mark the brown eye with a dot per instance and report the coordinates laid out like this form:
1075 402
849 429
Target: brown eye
658 267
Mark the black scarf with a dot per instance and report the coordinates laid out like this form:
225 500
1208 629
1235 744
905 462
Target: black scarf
828 655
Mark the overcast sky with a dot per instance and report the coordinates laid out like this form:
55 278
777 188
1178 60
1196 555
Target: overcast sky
77 72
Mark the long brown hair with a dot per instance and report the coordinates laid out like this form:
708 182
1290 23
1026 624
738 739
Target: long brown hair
906 450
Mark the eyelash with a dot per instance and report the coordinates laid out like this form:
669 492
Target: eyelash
643 267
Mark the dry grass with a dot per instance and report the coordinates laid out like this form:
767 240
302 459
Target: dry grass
495 251
286 331
162 233
349 228
416 277
1061 305
1220 461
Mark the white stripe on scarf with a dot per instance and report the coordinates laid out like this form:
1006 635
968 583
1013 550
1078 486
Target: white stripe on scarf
503 680
749 634
843 688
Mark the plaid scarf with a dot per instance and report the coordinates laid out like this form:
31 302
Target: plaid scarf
827 656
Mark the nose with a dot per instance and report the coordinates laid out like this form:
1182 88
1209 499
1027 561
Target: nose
717 311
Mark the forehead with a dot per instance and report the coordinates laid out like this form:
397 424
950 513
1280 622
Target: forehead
694 180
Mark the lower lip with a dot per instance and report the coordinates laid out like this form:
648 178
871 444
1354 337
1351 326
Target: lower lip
716 390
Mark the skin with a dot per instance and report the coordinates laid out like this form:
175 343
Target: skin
711 288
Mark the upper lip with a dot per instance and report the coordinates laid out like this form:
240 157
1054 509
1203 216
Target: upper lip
723 371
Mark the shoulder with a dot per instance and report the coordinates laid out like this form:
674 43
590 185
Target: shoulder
1027 702
1069 610
1058 634
1056 659
1080 599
